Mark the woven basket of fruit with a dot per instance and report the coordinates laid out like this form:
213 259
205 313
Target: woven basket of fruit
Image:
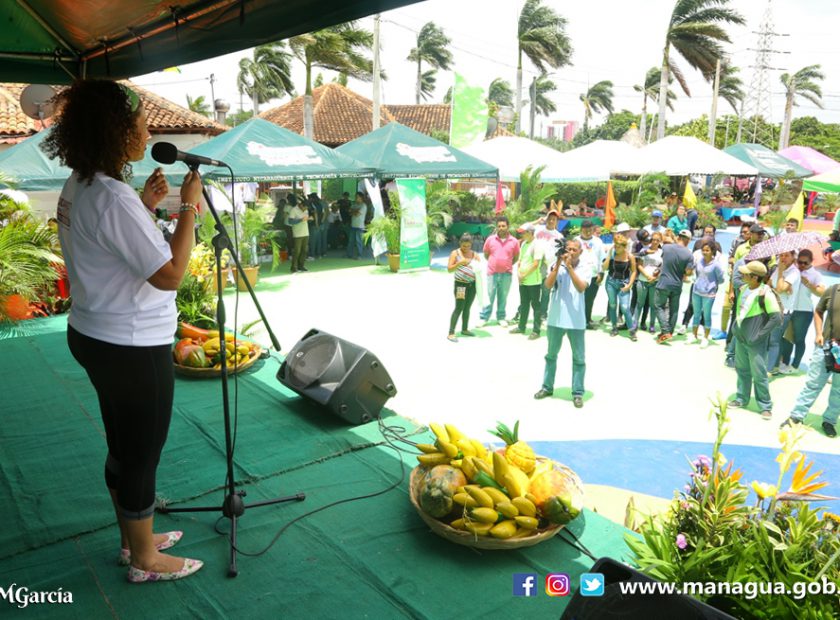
198 353
502 499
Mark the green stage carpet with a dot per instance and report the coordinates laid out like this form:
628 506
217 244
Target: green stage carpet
370 558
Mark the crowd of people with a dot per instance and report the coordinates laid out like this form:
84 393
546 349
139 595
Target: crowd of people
768 304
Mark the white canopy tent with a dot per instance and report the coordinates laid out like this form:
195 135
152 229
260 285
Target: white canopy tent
616 156
512 155
683 155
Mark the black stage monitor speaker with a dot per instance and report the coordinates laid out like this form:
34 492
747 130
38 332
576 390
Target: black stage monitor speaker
344 377
615 604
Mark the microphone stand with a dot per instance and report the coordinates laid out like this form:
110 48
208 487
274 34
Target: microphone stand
233 506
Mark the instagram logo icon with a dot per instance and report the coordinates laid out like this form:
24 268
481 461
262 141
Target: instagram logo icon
557 584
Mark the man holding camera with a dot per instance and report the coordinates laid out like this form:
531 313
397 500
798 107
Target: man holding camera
567 283
824 364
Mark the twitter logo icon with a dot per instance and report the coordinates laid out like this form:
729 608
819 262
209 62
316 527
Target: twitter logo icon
592 584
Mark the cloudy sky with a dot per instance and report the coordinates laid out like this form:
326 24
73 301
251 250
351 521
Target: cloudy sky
612 39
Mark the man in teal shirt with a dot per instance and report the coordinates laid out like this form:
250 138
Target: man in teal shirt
679 222
757 314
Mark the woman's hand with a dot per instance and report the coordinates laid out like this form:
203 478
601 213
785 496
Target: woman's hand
819 340
191 188
155 189
626 289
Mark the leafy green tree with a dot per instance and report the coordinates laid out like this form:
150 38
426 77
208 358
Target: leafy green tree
337 48
237 118
447 96
824 137
598 98
319 80
803 84
267 75
542 104
699 128
541 36
500 93
198 105
730 86
431 48
613 127
650 90
694 32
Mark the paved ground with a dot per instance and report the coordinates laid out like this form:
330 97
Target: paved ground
634 390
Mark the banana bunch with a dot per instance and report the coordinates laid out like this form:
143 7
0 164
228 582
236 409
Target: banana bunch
496 502
235 352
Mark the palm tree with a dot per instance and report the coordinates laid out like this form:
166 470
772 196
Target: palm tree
500 93
542 38
542 104
695 33
650 90
431 48
427 84
804 84
338 48
597 99
267 75
730 86
198 105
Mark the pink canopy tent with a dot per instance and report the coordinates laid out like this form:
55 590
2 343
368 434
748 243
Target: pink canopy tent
809 158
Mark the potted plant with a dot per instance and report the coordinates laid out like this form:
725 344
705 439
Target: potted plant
253 225
389 228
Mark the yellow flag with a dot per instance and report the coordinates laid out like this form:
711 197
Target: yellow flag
172 70
797 211
689 198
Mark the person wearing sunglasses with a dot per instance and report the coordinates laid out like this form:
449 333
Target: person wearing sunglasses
810 286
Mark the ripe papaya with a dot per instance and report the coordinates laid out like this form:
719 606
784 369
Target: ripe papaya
194 357
185 330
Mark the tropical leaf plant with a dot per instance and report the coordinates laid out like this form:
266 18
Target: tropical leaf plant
266 75
27 259
597 99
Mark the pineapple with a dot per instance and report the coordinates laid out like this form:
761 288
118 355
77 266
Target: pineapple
517 452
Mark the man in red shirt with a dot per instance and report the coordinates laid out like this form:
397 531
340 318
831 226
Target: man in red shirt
501 251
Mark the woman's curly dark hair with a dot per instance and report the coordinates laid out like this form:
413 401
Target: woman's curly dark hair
94 129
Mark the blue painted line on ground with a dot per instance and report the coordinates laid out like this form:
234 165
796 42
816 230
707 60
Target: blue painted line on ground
661 467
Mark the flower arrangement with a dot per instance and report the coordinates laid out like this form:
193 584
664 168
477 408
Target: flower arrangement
712 533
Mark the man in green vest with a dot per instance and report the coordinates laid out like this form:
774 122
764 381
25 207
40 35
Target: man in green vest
757 314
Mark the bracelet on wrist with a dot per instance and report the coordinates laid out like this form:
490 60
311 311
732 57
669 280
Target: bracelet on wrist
187 206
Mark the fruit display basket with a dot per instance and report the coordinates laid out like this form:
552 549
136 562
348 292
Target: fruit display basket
207 373
468 539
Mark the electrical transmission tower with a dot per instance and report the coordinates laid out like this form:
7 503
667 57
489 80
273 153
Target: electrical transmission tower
756 105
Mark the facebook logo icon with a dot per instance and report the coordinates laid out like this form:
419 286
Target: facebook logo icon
525 584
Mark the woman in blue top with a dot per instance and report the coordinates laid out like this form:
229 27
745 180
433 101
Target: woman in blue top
709 276
679 222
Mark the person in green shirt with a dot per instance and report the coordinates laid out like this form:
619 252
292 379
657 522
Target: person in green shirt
678 222
757 314
529 283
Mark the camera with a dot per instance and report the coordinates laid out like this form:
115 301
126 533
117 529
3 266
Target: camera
559 247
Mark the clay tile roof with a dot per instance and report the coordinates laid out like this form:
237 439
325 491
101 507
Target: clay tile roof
168 117
499 132
425 118
14 124
164 116
341 115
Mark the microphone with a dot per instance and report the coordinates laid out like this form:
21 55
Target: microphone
168 153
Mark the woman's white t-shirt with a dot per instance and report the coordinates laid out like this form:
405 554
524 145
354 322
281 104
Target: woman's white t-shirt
111 248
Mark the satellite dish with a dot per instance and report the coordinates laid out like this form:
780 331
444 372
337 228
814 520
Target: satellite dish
36 101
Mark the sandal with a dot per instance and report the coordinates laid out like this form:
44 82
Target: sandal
172 538
452 338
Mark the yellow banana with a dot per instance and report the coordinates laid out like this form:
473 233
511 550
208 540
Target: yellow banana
483 466
426 448
211 346
512 486
212 333
454 433
500 469
243 349
430 460
522 478
485 515
521 532
496 494
480 450
448 448
531 498
505 529
507 509
529 523
439 432
465 446
468 467
458 524
465 500
525 506
481 497
477 528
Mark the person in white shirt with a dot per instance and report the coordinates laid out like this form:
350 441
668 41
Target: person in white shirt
655 223
785 280
123 276
592 253
299 221
546 236
358 211
810 285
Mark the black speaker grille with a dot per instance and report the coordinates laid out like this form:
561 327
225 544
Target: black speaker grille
308 364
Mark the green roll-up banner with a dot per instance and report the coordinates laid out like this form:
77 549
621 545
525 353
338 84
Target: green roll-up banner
414 235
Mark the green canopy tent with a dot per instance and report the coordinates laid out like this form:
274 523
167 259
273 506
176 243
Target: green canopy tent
260 151
769 163
55 41
827 182
35 172
396 151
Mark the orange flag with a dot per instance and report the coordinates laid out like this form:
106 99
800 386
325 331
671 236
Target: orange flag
609 209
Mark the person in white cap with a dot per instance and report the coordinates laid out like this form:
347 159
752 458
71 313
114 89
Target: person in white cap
757 314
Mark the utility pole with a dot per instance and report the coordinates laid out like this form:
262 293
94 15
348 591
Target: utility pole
376 71
213 97
713 115
533 90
